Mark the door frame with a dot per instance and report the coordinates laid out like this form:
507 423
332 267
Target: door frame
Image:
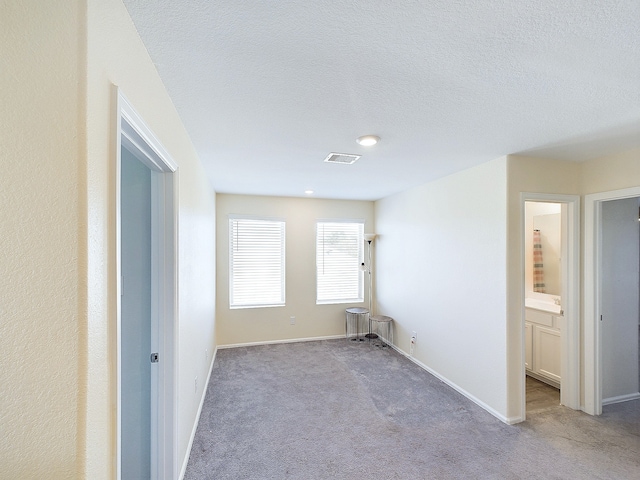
570 331
593 293
133 133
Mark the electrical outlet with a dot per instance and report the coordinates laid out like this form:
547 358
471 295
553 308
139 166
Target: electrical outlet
412 342
292 320
196 385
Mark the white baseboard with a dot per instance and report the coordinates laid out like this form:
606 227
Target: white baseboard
273 342
185 461
462 391
620 398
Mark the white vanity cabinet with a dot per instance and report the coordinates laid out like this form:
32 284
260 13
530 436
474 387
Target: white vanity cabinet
542 346
528 341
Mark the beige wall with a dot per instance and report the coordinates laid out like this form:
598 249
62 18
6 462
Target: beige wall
613 172
532 175
57 332
41 299
536 175
239 326
441 272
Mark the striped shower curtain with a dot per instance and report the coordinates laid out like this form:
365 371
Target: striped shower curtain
538 266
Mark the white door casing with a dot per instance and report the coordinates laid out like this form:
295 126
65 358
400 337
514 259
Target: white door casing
133 133
592 295
570 326
596 310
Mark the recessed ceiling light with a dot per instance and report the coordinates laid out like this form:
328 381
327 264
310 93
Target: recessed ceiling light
308 192
368 140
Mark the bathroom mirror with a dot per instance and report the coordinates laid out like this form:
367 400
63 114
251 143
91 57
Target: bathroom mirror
543 245
548 228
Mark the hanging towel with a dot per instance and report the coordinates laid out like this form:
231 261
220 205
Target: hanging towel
538 266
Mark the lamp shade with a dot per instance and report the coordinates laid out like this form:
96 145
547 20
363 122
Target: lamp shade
369 237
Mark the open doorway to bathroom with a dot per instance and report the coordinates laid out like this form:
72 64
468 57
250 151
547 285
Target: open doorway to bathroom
550 316
543 303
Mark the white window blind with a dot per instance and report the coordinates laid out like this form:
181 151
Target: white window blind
256 262
339 248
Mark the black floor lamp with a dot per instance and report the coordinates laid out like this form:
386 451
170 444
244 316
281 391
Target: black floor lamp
369 237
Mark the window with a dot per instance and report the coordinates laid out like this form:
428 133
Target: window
339 248
256 262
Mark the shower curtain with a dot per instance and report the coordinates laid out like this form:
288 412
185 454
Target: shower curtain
538 266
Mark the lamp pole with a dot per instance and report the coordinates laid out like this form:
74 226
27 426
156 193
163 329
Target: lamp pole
369 238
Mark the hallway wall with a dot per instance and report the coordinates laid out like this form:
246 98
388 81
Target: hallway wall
117 56
612 172
42 253
58 295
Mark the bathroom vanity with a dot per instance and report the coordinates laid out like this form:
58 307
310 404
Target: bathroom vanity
542 343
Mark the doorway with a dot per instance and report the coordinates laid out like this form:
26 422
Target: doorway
550 295
146 266
612 240
544 222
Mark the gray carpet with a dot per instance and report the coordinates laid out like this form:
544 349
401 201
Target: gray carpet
342 410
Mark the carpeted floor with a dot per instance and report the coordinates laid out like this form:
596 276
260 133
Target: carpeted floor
343 410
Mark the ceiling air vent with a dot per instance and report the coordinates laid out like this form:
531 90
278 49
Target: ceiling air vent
344 158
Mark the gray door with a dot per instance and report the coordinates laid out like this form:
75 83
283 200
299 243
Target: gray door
135 318
619 308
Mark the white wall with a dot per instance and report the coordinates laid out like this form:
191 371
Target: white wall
441 269
239 326
619 308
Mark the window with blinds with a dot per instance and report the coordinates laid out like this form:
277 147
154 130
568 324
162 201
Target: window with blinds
256 262
339 247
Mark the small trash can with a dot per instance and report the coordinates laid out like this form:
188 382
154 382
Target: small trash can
383 326
355 321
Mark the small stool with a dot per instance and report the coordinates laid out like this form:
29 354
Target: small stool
355 316
382 325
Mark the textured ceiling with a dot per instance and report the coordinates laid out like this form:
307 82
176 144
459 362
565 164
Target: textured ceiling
268 89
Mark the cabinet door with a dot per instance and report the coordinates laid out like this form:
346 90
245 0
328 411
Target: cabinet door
546 352
528 346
